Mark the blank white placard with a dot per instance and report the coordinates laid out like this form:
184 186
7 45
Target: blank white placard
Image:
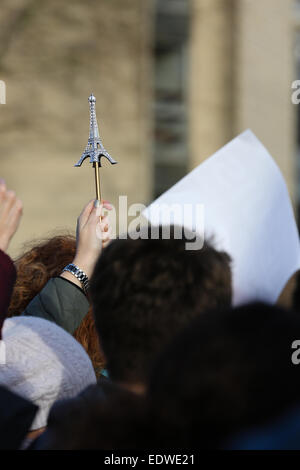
248 210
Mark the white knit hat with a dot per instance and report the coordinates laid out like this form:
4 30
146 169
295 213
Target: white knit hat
43 363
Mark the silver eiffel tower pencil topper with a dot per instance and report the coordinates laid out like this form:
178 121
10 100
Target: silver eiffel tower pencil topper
95 149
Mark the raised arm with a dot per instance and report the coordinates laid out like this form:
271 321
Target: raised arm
63 300
10 215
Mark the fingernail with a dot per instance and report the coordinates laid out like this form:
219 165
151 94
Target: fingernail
97 203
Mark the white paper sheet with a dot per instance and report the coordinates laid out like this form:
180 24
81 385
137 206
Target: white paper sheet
248 211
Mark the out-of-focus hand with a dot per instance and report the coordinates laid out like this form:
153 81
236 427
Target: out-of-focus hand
92 236
11 209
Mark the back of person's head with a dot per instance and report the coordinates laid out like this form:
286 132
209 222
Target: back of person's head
228 371
43 363
145 290
40 262
16 417
105 416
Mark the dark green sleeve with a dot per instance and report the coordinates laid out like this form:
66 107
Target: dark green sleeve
60 301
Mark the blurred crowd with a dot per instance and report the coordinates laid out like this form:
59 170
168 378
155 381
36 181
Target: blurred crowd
135 344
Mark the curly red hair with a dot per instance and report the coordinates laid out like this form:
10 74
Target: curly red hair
35 267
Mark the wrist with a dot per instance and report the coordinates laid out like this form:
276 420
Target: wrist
79 274
85 263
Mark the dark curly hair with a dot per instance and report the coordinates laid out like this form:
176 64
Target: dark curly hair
41 261
144 291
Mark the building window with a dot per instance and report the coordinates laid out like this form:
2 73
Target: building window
170 105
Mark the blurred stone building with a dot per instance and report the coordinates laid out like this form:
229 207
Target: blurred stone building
174 80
